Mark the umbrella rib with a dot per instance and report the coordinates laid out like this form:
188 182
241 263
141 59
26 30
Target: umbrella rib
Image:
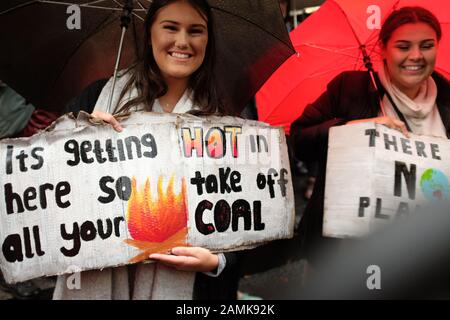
19 6
118 3
259 27
138 16
86 5
348 21
338 51
140 4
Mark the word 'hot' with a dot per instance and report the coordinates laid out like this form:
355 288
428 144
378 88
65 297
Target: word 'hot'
215 141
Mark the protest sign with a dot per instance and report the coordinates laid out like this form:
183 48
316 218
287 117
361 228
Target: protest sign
376 174
84 195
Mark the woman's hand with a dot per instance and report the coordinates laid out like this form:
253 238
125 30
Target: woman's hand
109 118
189 259
387 121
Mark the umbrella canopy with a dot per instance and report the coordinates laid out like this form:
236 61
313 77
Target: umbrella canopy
48 63
328 43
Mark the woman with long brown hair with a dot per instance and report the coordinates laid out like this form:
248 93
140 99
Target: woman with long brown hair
174 75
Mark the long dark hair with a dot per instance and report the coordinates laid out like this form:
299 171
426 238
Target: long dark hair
147 78
407 15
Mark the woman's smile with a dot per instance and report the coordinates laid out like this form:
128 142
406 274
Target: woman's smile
179 36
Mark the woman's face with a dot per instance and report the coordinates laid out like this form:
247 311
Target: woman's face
410 56
179 35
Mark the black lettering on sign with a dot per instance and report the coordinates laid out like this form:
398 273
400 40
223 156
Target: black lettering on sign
258 225
241 209
149 141
88 232
86 147
111 150
129 142
211 184
255 144
406 146
22 156
39 158
410 179
9 154
435 151
420 147
30 194
364 202
388 143
109 191
283 181
203 228
198 181
122 189
71 147
101 232
74 237
222 216
372 133
402 210
98 151
378 213
13 247
223 176
62 189
11 197
214 185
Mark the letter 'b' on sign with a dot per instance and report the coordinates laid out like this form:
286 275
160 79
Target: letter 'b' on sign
374 20
374 280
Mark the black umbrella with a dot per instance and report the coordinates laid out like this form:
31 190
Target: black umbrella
49 64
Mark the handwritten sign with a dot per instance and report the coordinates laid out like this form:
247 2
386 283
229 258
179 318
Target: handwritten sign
84 195
379 175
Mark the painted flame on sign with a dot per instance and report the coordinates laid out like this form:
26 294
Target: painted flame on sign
157 224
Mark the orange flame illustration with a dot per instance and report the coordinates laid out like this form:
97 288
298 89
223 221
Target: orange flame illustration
157 225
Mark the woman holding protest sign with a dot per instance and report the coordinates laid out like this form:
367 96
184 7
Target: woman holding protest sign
174 76
410 97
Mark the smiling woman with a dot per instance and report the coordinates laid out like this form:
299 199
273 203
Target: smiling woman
410 97
178 60
174 75
179 43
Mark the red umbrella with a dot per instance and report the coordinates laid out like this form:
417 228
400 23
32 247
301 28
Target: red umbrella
328 43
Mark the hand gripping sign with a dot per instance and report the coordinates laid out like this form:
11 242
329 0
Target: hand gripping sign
82 194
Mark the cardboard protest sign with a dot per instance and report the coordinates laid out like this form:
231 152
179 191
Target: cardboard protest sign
376 174
82 196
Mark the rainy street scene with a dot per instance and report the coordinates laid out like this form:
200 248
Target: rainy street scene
245 151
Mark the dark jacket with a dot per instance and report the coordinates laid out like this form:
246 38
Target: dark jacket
349 96
223 287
